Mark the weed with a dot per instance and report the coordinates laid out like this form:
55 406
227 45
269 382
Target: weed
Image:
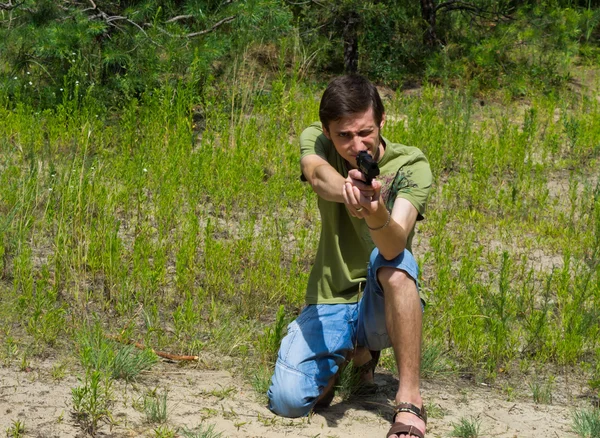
221 393
261 380
466 428
348 383
268 343
387 360
164 432
434 410
16 430
586 423
121 362
10 350
509 390
201 432
208 413
351 382
155 406
433 361
59 371
25 365
128 363
542 392
92 401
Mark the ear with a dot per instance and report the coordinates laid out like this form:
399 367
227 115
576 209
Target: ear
382 121
326 132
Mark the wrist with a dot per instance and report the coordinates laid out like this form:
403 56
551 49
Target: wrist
380 224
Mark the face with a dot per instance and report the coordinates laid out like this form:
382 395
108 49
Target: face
355 133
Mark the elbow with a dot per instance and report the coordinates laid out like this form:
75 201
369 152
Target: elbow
389 255
391 251
316 185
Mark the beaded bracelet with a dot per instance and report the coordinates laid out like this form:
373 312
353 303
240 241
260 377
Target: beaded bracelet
383 226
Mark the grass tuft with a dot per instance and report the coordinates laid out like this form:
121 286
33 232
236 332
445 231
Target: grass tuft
92 402
201 432
155 406
586 423
16 430
466 428
97 352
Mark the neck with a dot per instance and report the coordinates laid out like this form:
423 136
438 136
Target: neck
380 150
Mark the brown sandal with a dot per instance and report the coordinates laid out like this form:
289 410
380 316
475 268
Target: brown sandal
401 428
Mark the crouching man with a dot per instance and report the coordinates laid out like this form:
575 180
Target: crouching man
362 293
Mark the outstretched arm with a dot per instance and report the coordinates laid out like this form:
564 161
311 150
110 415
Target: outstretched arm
323 178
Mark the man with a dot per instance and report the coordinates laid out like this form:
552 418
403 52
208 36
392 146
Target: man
357 219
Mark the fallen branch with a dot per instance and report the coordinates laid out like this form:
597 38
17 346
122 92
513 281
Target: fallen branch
468 7
179 17
8 6
158 353
194 34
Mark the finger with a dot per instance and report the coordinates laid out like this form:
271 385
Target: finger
363 198
356 174
348 194
366 191
360 182
376 193
353 195
356 203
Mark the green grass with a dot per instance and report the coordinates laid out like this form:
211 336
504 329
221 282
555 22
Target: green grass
126 223
17 430
92 402
586 423
542 391
201 432
98 352
156 407
466 428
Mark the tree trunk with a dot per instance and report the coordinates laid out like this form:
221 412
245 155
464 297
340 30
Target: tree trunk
428 15
350 36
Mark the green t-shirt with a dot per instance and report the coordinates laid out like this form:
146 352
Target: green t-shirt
345 243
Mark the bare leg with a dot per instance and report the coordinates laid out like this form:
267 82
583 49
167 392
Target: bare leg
361 356
403 317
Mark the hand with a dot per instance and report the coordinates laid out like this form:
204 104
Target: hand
360 198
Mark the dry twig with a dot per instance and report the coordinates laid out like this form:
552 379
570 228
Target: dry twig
158 353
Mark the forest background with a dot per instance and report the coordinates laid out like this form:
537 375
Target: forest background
150 184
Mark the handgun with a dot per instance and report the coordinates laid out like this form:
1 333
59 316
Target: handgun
367 165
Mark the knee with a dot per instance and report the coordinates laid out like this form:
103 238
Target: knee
392 279
288 396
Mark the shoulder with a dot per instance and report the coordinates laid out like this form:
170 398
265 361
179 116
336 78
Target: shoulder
313 141
405 153
399 156
312 132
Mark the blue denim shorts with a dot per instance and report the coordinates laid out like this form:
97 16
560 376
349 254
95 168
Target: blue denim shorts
318 341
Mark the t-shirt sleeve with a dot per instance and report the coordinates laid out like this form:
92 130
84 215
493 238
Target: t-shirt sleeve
313 141
413 182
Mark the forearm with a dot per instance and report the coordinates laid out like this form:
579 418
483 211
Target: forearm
388 235
327 183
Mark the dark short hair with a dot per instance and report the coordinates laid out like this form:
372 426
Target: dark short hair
351 94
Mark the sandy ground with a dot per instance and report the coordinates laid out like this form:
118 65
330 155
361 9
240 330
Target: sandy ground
197 396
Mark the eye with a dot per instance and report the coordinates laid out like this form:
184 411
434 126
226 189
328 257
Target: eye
365 133
344 135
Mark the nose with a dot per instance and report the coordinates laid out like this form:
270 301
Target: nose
357 144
